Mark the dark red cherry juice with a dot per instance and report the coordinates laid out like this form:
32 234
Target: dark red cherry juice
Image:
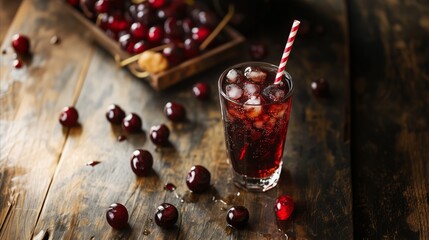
256 115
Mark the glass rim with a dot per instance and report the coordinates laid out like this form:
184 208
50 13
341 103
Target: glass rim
253 63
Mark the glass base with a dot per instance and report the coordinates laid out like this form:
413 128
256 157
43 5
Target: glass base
256 184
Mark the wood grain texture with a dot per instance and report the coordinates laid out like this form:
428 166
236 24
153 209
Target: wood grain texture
316 168
31 98
390 118
316 173
7 12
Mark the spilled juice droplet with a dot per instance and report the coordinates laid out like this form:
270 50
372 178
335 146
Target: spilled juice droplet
170 187
92 163
122 138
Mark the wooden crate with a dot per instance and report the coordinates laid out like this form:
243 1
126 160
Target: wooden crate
175 73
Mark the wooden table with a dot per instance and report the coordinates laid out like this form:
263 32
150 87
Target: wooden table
366 177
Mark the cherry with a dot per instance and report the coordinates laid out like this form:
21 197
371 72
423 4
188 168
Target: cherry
103 6
123 33
200 34
201 91
171 40
174 111
156 33
173 53
21 44
191 48
170 187
74 3
127 43
161 15
138 30
158 3
320 88
159 135
195 9
172 28
208 18
187 25
132 123
237 216
115 114
133 9
141 46
257 51
284 207
117 216
145 16
198 179
141 162
69 116
166 215
17 63
117 23
176 9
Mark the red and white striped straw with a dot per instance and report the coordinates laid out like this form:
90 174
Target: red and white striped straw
286 52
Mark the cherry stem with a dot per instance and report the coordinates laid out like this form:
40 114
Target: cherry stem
99 18
138 1
218 28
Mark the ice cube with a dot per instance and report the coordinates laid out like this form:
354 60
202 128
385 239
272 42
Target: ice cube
254 100
233 91
273 93
251 89
253 107
255 74
233 76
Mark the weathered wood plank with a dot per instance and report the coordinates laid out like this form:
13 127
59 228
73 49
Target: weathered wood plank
316 174
7 12
390 118
31 140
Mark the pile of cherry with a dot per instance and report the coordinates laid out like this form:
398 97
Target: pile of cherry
141 26
197 179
